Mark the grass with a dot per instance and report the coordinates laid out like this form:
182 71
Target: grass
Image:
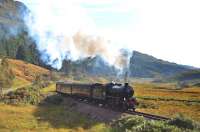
56 117
167 91
51 118
25 73
165 99
25 70
19 82
50 88
161 99
139 124
44 118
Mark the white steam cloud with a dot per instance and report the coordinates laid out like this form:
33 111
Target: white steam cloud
62 29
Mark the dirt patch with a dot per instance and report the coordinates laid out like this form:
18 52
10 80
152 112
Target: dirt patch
94 112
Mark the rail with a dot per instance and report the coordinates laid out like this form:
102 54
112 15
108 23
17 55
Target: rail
148 116
145 115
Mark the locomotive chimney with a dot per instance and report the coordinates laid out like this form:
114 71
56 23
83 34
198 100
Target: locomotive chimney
126 77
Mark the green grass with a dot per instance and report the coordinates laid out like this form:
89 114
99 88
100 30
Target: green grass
53 116
50 118
19 82
44 118
50 88
165 100
157 98
139 124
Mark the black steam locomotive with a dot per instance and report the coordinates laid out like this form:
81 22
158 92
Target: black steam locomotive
112 94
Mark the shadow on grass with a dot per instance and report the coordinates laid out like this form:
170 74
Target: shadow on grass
52 111
61 112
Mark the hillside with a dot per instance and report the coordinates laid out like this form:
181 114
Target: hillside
191 75
25 70
19 73
11 13
146 66
11 19
185 79
91 66
141 66
14 38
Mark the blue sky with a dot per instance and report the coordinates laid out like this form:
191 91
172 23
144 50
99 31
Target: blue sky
105 16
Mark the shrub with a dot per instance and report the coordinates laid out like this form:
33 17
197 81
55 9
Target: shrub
139 124
30 95
127 123
184 123
42 81
154 126
53 99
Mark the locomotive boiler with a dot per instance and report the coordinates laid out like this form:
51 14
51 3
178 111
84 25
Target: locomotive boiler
119 90
115 95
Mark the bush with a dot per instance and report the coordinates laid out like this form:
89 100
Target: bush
184 123
42 81
30 95
53 99
154 126
139 124
127 123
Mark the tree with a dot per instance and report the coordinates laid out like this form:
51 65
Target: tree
21 53
6 76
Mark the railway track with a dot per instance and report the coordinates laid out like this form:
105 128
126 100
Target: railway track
148 116
145 115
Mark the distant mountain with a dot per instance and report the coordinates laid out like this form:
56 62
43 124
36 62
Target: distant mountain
189 75
14 39
185 79
12 27
91 66
141 66
11 18
146 66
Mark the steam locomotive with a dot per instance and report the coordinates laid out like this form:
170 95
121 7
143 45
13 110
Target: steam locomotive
115 95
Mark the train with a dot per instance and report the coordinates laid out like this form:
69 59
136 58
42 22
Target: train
114 95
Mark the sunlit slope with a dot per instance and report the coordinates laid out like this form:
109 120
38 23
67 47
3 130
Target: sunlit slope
167 100
26 71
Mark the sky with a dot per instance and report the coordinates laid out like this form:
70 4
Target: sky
166 29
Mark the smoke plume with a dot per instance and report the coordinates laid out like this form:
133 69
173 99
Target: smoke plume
63 29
